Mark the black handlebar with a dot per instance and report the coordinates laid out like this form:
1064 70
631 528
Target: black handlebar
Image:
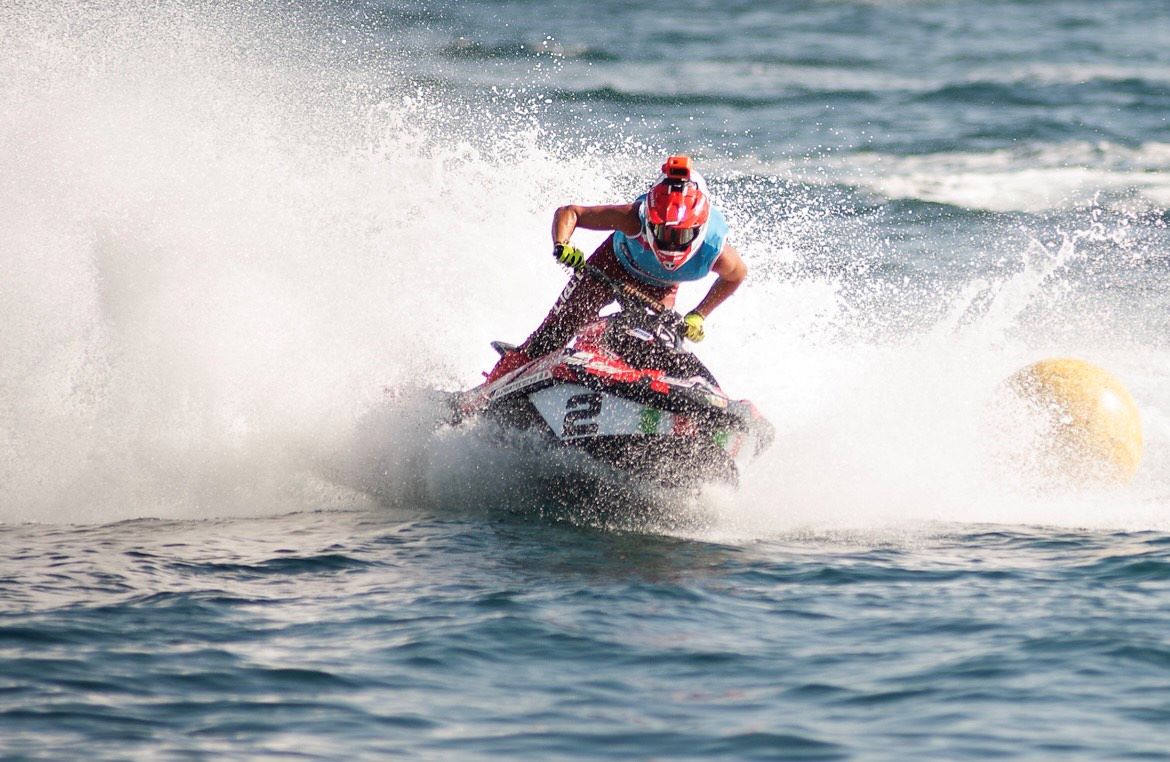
627 290
629 296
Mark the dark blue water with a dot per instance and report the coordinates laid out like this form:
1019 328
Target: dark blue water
239 239
371 634
787 79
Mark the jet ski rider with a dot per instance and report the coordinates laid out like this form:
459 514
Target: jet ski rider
668 235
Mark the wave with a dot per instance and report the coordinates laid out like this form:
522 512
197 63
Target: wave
1047 74
467 49
1142 94
1031 177
693 100
1084 93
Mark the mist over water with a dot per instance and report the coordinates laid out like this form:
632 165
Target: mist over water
221 243
225 235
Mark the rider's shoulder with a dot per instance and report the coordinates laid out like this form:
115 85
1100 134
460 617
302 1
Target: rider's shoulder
716 217
717 229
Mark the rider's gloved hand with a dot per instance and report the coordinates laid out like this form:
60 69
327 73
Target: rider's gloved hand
694 324
569 255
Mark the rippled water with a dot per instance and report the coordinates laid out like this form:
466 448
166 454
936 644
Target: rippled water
245 242
365 634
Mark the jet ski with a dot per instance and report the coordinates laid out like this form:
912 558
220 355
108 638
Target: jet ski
626 392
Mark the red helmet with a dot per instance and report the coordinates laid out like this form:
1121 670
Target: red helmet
675 212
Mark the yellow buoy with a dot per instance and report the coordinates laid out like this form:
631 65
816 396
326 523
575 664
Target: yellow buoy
1090 426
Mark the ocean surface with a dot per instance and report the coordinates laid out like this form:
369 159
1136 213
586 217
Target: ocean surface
243 243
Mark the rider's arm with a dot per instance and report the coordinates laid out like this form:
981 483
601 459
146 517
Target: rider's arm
623 217
731 270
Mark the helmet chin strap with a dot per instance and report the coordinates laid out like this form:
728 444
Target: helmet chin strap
672 263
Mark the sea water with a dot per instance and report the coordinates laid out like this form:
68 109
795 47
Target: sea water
243 243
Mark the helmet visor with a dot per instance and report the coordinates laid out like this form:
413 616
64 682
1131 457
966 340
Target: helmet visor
673 238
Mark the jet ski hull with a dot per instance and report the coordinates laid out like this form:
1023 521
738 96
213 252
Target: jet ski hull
670 430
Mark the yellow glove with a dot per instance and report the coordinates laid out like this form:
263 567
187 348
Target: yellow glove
694 324
569 255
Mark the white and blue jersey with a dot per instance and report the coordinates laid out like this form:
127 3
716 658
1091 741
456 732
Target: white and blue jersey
640 262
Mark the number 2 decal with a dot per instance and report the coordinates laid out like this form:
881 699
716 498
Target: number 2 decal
580 411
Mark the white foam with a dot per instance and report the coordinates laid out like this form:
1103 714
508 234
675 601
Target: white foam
1028 178
221 242
902 436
